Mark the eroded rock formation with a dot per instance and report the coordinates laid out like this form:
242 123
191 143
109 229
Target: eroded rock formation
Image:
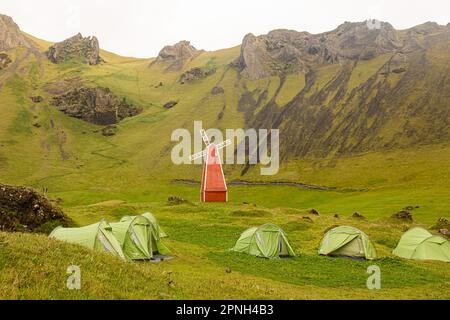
284 51
95 105
86 50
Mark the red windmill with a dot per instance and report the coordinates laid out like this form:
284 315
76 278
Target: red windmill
214 186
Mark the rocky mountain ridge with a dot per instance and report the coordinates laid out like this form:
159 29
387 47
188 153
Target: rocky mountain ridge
287 51
10 35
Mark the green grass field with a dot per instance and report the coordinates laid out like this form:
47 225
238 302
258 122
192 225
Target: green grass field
33 267
130 173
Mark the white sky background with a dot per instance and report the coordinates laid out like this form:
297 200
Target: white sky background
140 28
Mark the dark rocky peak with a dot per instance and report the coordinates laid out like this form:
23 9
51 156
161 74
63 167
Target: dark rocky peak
286 51
86 50
361 40
263 56
10 34
180 50
177 54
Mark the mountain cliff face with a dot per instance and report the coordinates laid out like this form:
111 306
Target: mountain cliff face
403 102
85 49
10 35
352 90
288 51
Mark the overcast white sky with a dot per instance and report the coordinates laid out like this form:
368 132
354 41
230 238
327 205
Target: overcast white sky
140 28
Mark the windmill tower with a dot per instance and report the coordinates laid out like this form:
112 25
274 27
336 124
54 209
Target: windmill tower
214 186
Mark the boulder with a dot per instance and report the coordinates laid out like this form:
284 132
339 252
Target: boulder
314 212
95 105
403 215
175 200
358 215
170 104
109 131
441 223
37 99
217 90
86 50
445 232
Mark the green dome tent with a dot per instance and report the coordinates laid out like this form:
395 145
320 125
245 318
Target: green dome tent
135 237
155 223
98 236
267 241
347 242
154 245
419 244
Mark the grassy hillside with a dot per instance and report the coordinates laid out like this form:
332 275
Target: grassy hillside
77 163
200 236
107 177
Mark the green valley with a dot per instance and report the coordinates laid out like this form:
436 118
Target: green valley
373 133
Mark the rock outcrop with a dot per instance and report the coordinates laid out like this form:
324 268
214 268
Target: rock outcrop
5 60
357 215
86 50
403 215
24 209
441 223
37 99
177 55
109 131
286 51
217 90
10 35
170 104
196 74
95 105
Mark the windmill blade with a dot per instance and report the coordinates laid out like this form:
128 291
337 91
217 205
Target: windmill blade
223 144
205 137
197 155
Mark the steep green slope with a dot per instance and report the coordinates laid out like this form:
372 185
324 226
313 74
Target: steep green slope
67 154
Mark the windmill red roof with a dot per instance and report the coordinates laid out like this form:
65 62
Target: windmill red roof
213 186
